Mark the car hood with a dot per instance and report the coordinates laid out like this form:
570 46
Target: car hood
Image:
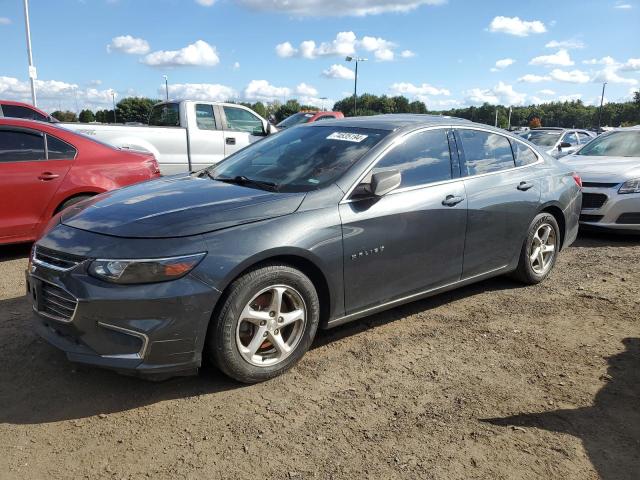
604 169
177 206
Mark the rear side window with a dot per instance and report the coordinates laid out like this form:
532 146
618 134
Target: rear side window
422 158
20 146
570 138
523 154
584 137
16 111
243 121
204 117
165 115
325 117
485 152
59 150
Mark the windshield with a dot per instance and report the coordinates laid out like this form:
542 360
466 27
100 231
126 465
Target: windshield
616 144
299 159
295 119
542 138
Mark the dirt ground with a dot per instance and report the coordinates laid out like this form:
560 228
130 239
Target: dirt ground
491 381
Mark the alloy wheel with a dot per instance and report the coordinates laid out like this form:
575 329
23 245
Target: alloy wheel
543 249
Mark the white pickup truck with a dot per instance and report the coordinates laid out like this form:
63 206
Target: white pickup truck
186 135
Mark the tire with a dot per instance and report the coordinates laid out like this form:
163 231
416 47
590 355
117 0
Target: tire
72 201
530 271
232 340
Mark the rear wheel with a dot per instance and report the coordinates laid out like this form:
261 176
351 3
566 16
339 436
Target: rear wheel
266 324
540 250
72 201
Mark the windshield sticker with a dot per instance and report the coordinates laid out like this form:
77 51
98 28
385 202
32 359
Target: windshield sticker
347 137
313 180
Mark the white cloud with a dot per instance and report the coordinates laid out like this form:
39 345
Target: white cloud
610 75
568 44
262 90
515 26
199 91
336 8
623 6
502 64
500 94
5 21
205 3
407 54
345 43
94 83
128 44
409 89
602 61
531 78
631 65
339 71
547 91
573 76
560 58
199 53
236 65
306 90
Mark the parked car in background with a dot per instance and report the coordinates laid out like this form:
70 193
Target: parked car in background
558 142
186 135
319 225
45 169
308 117
24 111
610 170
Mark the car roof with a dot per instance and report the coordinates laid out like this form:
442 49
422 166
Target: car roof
393 121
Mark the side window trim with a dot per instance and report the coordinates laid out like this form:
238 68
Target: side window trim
46 148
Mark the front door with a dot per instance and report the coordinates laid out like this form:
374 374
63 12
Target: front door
241 129
411 239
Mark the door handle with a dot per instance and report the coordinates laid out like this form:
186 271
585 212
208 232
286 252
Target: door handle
451 200
230 141
46 176
524 186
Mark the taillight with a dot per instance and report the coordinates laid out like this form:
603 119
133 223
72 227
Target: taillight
577 179
152 165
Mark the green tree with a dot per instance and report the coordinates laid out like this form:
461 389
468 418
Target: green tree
260 109
65 116
134 109
87 116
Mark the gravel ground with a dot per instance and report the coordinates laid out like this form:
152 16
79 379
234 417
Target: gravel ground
491 381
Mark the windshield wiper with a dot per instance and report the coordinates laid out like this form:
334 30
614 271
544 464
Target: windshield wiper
205 172
242 180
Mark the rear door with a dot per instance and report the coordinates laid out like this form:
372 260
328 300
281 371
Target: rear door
241 128
206 137
28 180
411 239
503 197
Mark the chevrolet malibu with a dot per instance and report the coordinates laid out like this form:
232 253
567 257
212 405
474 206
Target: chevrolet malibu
240 263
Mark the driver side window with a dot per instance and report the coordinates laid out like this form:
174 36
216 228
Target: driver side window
243 121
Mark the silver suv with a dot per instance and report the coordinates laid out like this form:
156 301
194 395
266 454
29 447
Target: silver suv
558 142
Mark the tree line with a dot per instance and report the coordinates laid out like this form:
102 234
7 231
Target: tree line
553 114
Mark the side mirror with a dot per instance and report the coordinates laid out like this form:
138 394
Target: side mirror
384 182
564 145
267 128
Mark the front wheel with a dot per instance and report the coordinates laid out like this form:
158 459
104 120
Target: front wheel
540 250
267 322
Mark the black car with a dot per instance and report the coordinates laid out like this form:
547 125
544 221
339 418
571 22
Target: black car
240 263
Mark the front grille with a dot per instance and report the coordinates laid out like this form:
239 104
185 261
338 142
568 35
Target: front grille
56 260
598 184
593 200
631 218
590 218
57 303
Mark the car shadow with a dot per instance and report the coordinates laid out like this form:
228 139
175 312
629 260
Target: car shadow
599 239
14 251
610 428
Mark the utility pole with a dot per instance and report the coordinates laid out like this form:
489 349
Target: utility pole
510 110
32 70
323 99
601 102
166 87
355 85
496 117
113 97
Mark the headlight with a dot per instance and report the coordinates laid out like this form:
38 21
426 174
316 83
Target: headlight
144 271
630 186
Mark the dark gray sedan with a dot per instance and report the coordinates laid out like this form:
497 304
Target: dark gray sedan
318 225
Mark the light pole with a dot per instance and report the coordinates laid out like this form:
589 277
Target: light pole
113 97
601 102
509 122
496 117
32 69
355 84
166 86
323 99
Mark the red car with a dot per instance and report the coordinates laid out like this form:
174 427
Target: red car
307 117
45 168
12 109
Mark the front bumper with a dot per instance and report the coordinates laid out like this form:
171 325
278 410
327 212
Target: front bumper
138 329
618 212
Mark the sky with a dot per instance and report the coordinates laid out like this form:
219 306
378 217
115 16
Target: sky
447 53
